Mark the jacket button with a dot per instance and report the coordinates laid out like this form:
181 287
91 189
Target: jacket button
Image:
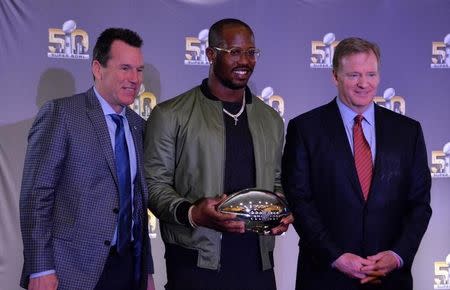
107 243
115 210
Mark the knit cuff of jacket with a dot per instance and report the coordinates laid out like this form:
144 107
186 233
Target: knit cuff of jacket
182 213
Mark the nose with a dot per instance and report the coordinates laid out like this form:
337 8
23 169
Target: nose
134 76
244 58
362 82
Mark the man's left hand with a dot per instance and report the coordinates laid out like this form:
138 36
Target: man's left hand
284 225
385 262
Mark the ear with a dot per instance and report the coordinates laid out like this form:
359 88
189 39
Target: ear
335 77
211 54
96 70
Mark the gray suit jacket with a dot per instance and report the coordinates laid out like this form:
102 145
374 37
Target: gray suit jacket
69 196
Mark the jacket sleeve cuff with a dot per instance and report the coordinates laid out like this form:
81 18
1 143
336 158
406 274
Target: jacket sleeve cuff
181 213
399 259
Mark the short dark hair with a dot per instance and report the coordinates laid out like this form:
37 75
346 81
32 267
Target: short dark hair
102 47
215 36
353 45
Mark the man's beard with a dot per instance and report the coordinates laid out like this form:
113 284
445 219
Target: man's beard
228 83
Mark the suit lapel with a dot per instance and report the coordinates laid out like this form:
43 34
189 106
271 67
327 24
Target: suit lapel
335 130
381 144
95 114
137 140
135 134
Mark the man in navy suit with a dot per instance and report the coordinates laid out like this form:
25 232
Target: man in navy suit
82 204
357 180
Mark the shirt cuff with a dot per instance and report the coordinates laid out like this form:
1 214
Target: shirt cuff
399 259
43 273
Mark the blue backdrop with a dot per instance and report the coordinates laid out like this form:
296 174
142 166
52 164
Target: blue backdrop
41 60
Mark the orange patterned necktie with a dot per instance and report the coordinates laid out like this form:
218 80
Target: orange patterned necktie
363 157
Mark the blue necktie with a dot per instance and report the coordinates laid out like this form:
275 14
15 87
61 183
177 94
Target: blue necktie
124 178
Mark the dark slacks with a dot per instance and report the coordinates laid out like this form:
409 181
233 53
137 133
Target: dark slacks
240 267
118 271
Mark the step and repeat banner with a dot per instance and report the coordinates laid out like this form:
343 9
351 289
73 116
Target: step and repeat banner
46 50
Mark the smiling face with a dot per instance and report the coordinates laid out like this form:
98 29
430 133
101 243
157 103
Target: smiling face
233 72
357 80
119 81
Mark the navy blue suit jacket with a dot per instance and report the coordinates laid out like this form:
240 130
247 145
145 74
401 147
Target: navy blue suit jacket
331 217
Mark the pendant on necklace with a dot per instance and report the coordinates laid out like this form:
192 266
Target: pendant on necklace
236 116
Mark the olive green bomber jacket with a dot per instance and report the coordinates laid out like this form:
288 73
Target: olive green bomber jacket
185 161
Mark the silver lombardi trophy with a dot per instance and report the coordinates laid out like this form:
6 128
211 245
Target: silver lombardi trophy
68 27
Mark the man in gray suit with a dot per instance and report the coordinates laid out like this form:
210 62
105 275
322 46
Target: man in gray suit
83 196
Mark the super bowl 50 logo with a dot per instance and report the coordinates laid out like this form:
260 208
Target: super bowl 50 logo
440 57
68 42
440 162
144 103
322 51
196 49
442 274
392 102
275 101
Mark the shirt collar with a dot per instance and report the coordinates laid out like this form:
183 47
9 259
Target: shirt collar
348 115
207 92
106 108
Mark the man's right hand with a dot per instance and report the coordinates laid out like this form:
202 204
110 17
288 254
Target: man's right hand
46 282
351 264
205 214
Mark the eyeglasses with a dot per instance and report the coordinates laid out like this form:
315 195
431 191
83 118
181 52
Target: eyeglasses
236 53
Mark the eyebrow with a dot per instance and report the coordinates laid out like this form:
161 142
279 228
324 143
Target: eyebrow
131 66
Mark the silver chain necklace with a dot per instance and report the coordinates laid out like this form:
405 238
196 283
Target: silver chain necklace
236 116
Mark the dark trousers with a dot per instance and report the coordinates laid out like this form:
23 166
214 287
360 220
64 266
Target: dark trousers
240 267
118 271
